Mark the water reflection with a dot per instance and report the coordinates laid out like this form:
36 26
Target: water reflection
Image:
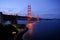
30 26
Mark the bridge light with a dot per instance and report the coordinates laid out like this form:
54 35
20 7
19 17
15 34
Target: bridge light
14 32
14 25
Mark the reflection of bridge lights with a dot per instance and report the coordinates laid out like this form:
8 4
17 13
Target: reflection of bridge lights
29 25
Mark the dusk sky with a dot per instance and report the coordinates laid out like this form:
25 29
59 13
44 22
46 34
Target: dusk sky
41 8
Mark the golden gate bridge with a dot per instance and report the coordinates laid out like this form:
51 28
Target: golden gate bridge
13 18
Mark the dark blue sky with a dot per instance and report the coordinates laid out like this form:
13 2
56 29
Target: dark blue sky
41 8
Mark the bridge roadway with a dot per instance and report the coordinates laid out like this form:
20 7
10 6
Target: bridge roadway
14 17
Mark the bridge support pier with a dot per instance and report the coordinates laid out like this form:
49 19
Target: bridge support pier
14 21
1 18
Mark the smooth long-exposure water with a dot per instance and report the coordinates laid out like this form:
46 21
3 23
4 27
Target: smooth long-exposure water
45 30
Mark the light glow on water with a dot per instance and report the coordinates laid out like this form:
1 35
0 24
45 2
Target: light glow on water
30 26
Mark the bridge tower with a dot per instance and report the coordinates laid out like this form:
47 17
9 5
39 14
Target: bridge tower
29 13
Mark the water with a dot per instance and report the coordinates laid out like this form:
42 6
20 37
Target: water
45 30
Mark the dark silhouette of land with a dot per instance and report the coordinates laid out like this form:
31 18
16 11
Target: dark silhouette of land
6 32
